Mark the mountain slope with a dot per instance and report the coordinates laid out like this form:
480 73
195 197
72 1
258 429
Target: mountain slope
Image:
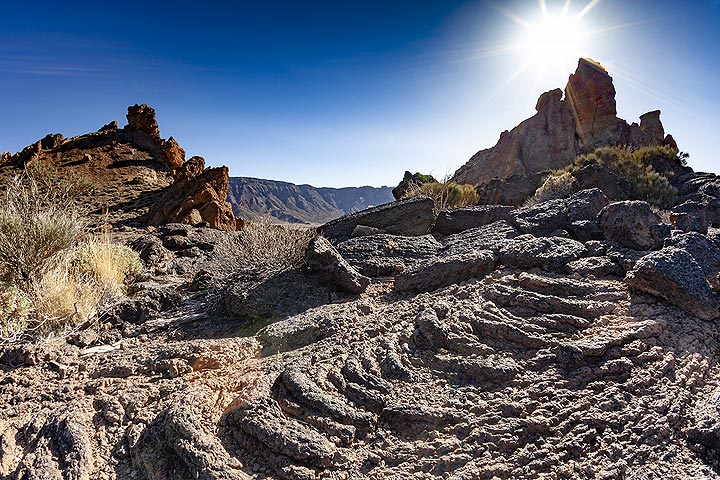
252 198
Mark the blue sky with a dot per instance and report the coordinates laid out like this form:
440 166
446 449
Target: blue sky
341 93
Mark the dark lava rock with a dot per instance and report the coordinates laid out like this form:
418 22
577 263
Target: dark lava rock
633 224
546 217
674 275
410 217
488 237
387 255
549 253
445 270
322 258
457 220
690 217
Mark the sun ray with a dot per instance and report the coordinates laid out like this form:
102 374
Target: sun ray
544 9
566 7
587 8
512 16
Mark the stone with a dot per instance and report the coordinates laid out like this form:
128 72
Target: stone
633 224
597 266
591 95
563 128
196 196
488 237
457 220
173 153
552 215
383 255
548 253
109 127
597 175
446 270
364 231
411 217
690 217
51 141
409 180
705 251
141 118
322 257
673 275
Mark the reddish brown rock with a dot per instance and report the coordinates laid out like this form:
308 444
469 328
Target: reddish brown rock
591 96
173 153
562 129
197 195
141 118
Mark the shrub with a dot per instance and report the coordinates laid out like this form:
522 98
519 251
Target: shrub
89 276
556 186
447 194
15 308
33 229
267 246
635 168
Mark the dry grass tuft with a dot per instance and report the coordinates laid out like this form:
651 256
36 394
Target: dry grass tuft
447 194
556 186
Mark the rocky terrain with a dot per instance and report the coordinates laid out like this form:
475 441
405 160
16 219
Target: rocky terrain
567 124
574 338
254 198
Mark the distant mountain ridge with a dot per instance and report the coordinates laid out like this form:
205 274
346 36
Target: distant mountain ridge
253 198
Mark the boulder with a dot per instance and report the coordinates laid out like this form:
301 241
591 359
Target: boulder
488 237
674 275
410 217
591 95
704 250
174 155
633 224
445 270
51 140
322 258
597 175
196 196
690 217
387 255
109 127
547 217
597 266
409 180
141 118
457 220
548 253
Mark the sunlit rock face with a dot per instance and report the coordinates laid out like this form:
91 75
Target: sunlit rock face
565 126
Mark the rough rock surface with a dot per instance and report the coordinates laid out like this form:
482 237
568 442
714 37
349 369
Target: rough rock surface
410 179
633 224
384 255
673 274
457 220
563 127
197 195
410 217
322 257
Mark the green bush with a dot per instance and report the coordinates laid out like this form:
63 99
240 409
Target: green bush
635 168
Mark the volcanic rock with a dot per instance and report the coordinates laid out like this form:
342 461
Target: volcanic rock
197 195
674 275
383 255
410 217
141 118
409 180
322 257
457 220
633 224
445 270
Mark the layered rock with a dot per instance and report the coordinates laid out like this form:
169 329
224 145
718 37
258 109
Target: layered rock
564 127
197 195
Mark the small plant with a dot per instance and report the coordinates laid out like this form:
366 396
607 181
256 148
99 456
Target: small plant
634 167
269 246
33 229
555 187
109 265
446 194
15 307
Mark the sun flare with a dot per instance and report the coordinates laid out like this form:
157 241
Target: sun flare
553 40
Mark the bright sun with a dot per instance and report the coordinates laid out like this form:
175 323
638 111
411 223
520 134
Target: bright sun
554 40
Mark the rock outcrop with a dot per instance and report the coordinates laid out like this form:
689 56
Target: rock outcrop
197 195
564 127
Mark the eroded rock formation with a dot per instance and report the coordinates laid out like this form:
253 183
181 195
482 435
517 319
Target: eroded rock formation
565 126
